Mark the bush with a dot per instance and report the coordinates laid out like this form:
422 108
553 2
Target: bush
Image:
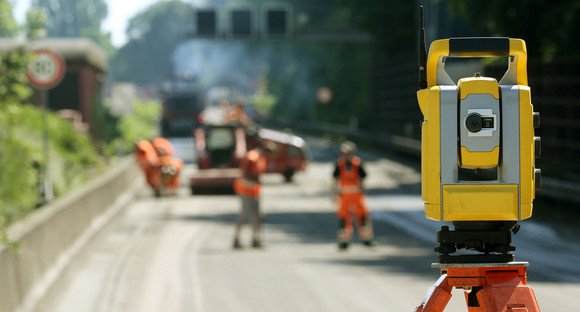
141 124
72 157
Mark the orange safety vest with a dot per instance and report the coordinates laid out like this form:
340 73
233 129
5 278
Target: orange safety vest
146 155
163 147
253 164
349 179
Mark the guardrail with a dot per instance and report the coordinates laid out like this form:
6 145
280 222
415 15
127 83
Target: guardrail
551 187
397 143
50 237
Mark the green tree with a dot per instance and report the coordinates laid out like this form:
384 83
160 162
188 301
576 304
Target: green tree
141 124
101 38
549 28
263 101
153 35
20 134
76 18
391 23
35 23
349 81
8 26
69 18
73 156
16 175
13 82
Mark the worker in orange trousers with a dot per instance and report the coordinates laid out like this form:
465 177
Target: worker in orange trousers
348 193
149 162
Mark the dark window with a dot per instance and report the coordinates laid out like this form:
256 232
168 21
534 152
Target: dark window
65 95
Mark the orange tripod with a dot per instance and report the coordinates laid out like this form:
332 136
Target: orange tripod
489 287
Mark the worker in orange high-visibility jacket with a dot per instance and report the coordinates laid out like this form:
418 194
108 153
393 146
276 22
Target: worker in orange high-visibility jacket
149 162
248 187
348 193
169 166
163 146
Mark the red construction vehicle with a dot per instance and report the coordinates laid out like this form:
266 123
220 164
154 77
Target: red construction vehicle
290 155
221 145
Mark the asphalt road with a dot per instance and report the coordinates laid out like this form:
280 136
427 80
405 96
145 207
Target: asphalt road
174 253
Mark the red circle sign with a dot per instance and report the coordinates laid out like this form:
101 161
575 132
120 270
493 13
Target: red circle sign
46 69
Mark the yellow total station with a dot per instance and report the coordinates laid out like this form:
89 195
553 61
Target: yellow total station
478 144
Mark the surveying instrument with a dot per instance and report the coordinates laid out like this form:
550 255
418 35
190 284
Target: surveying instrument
478 171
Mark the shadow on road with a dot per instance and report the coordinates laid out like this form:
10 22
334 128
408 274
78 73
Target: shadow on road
395 252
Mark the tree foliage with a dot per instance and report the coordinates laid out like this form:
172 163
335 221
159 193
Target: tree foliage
345 69
390 22
262 100
35 23
141 124
76 18
153 35
73 156
69 18
549 28
8 26
16 176
13 82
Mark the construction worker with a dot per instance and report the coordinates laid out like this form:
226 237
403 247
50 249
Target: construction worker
169 166
149 162
348 192
237 113
163 147
248 186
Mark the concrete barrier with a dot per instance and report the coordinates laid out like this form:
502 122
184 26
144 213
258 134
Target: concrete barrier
49 238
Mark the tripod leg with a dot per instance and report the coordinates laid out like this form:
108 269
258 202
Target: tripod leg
437 296
524 297
504 291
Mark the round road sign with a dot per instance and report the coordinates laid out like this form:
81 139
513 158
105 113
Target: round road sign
46 69
324 95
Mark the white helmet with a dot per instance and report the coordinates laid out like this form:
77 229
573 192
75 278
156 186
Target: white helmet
348 147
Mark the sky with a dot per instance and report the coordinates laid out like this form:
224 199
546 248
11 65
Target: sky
120 11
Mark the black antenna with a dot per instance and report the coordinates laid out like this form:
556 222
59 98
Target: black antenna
422 52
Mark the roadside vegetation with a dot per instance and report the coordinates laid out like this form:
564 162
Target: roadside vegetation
73 157
26 136
141 124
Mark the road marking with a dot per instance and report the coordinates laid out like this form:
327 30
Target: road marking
192 292
134 243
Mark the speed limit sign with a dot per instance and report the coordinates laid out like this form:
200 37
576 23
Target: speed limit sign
46 69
